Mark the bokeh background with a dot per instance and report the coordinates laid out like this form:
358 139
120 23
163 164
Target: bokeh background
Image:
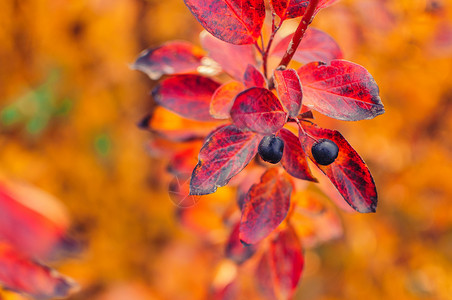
69 104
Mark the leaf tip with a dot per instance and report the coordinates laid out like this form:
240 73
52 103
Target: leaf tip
144 122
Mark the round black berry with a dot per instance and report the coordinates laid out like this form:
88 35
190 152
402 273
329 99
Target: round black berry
271 149
325 151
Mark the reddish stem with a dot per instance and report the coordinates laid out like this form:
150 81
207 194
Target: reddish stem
270 41
299 33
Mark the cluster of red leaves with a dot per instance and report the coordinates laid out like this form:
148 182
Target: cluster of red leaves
27 236
244 110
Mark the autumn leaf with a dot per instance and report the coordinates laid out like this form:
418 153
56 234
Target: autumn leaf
348 173
265 206
233 59
174 57
294 159
289 9
223 98
235 250
316 45
224 154
289 90
259 110
253 77
286 262
342 90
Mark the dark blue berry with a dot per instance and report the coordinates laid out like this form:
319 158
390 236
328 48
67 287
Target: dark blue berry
325 151
271 149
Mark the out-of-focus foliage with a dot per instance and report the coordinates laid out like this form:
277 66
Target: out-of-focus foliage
69 104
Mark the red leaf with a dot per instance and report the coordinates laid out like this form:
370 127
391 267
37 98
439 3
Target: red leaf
170 58
316 45
294 158
265 207
288 9
259 110
223 98
286 261
235 250
183 162
224 154
253 77
234 21
20 274
41 220
348 172
232 58
342 90
263 275
187 95
289 89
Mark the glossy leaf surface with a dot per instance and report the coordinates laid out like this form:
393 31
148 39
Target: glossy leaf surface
294 159
289 90
348 173
259 110
265 207
237 22
187 95
253 77
286 261
170 58
316 45
20 274
41 220
288 9
223 98
224 154
233 59
235 250
342 90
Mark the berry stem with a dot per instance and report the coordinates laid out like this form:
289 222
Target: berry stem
303 131
299 33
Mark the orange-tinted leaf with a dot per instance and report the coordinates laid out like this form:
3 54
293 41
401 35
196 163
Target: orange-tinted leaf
342 90
223 98
232 58
294 158
20 274
235 250
265 206
170 58
259 110
316 45
288 9
286 261
289 90
253 77
237 22
187 95
171 126
224 154
183 162
41 220
348 172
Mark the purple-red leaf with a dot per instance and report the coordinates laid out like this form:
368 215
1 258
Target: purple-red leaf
342 90
237 22
294 158
286 261
259 110
235 250
223 98
253 78
170 58
233 59
265 206
288 9
23 275
348 172
224 154
289 89
316 45
187 95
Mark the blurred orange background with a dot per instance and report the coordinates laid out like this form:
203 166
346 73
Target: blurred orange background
69 104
